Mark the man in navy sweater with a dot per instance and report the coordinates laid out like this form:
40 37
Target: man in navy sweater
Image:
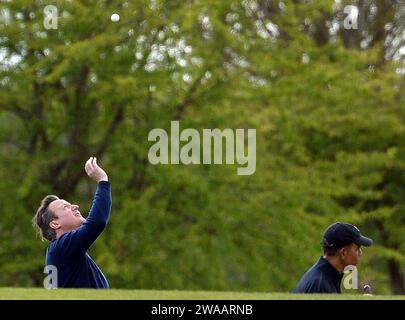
71 235
342 248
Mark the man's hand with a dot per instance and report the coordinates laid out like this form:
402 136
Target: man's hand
94 171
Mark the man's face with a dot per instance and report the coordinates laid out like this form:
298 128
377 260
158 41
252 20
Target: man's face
350 255
68 216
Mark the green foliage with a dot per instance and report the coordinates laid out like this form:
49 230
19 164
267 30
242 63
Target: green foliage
330 140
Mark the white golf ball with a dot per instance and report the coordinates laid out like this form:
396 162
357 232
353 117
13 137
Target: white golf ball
115 17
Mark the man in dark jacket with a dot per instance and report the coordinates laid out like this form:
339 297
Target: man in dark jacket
71 235
342 247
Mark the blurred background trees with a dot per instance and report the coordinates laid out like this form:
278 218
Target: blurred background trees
327 103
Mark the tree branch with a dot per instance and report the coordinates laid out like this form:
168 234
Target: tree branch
188 99
117 120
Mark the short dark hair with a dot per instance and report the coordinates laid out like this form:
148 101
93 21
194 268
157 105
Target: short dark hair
43 217
331 251
328 251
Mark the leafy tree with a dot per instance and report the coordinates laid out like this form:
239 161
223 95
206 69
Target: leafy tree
327 104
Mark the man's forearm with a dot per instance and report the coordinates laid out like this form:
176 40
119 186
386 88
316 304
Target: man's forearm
101 208
79 240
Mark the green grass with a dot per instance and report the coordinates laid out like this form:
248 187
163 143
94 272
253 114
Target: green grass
114 294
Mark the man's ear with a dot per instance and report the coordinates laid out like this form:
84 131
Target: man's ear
342 252
54 224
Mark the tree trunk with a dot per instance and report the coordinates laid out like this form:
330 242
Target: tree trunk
396 277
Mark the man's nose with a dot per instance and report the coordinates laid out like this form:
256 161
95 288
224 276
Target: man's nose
360 252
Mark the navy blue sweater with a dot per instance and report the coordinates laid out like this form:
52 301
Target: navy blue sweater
75 268
322 277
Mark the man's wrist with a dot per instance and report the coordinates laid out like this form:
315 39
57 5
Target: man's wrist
103 179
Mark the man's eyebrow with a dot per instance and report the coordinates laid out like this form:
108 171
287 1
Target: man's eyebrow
65 204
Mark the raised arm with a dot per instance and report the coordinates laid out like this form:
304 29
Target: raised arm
79 241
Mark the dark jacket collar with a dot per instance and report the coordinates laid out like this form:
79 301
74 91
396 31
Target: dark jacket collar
329 269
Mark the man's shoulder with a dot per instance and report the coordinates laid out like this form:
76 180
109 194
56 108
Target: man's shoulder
315 269
311 283
313 280
59 243
313 275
